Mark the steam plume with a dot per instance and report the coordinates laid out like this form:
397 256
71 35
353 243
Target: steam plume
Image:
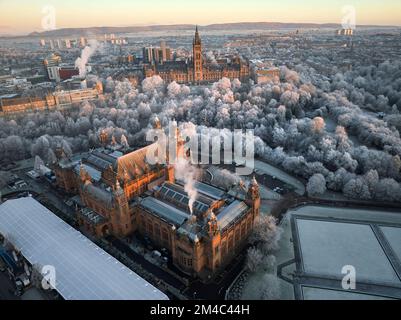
184 171
86 53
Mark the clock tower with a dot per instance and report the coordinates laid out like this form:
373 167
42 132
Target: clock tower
197 57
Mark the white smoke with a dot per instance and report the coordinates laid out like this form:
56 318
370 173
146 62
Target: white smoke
186 172
124 141
86 53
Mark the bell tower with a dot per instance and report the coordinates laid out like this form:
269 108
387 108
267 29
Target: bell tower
121 218
197 57
253 197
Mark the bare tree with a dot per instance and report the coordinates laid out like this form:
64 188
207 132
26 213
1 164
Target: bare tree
254 259
266 234
270 287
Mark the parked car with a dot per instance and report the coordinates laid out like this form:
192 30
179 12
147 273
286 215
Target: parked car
156 254
20 184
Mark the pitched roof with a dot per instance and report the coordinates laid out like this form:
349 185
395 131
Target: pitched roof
133 164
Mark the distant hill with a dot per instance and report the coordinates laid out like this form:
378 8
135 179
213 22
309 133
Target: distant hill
103 30
211 27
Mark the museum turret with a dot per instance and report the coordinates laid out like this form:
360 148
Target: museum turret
83 174
103 138
253 196
157 123
122 218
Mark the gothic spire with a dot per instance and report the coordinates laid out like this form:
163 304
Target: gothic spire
197 39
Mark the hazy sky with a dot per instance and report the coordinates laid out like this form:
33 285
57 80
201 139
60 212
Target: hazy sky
26 15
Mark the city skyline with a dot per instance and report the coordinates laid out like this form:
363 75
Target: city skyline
27 16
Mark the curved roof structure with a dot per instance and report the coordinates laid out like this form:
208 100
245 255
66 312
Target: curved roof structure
83 270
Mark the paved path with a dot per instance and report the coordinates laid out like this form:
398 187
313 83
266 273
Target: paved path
265 168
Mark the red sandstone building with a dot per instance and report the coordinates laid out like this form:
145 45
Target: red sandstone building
122 194
196 70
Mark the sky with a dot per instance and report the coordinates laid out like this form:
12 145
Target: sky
24 16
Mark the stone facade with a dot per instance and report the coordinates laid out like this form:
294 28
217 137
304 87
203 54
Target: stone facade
197 70
121 194
50 102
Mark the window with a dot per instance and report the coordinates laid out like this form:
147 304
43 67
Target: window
224 248
157 231
150 227
230 243
165 235
249 225
237 236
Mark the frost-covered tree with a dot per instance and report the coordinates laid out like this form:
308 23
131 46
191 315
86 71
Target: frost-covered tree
256 261
266 234
316 185
357 188
269 287
307 123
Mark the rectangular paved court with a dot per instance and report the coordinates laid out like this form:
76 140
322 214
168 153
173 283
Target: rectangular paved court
327 246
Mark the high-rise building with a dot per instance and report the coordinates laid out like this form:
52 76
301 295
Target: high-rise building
67 43
82 42
164 50
52 60
51 64
345 32
147 53
198 70
157 55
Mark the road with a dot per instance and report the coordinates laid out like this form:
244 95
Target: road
43 189
148 266
196 289
265 168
